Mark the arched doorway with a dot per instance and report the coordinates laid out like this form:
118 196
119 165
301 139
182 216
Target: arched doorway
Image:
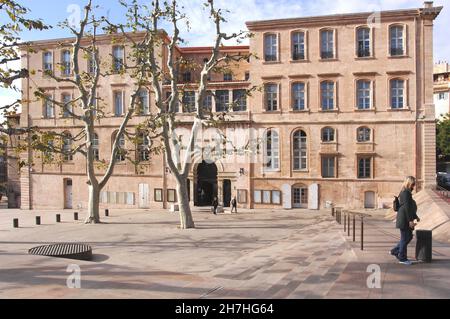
207 185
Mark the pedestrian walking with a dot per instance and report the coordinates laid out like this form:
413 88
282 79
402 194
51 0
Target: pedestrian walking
234 205
406 217
215 205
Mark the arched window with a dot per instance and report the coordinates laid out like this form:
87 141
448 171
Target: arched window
328 134
67 147
364 134
300 150
363 42
270 47
298 45
121 151
143 147
95 147
272 150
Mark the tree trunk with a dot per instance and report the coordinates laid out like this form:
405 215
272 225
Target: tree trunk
186 221
93 205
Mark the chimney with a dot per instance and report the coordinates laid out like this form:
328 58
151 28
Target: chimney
428 4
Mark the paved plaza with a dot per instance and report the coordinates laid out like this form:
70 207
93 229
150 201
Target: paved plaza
253 254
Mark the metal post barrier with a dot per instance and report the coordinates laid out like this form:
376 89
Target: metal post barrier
348 224
362 232
38 220
16 222
332 211
354 228
75 216
58 218
345 223
106 212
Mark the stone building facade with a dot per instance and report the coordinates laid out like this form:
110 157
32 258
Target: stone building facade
344 113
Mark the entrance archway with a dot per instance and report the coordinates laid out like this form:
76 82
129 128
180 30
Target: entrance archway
207 185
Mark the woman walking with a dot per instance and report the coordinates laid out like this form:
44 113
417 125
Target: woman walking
406 215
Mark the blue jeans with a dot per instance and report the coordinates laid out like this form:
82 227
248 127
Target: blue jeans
401 250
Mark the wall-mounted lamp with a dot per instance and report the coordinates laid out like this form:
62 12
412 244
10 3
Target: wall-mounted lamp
242 171
168 171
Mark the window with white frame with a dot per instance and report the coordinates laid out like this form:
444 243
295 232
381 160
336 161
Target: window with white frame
298 96
364 94
208 101
397 38
66 63
397 92
222 100
271 97
364 167
96 147
144 108
363 42
67 108
143 147
328 166
118 58
300 150
270 47
298 46
239 100
67 147
272 150
48 62
364 135
49 107
121 151
327 95
328 134
327 50
189 102
118 103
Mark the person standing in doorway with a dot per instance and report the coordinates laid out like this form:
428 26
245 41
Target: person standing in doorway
406 215
215 205
234 205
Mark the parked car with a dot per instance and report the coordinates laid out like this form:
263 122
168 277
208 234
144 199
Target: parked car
443 180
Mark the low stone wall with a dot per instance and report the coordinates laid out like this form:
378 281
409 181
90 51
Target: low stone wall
434 214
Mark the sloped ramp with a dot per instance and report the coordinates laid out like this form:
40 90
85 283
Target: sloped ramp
64 250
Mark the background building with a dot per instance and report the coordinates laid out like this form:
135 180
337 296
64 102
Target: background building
442 88
345 112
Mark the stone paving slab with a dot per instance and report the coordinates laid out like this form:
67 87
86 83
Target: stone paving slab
264 254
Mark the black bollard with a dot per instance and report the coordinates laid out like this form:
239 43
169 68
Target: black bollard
75 216
58 218
16 223
106 212
38 220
